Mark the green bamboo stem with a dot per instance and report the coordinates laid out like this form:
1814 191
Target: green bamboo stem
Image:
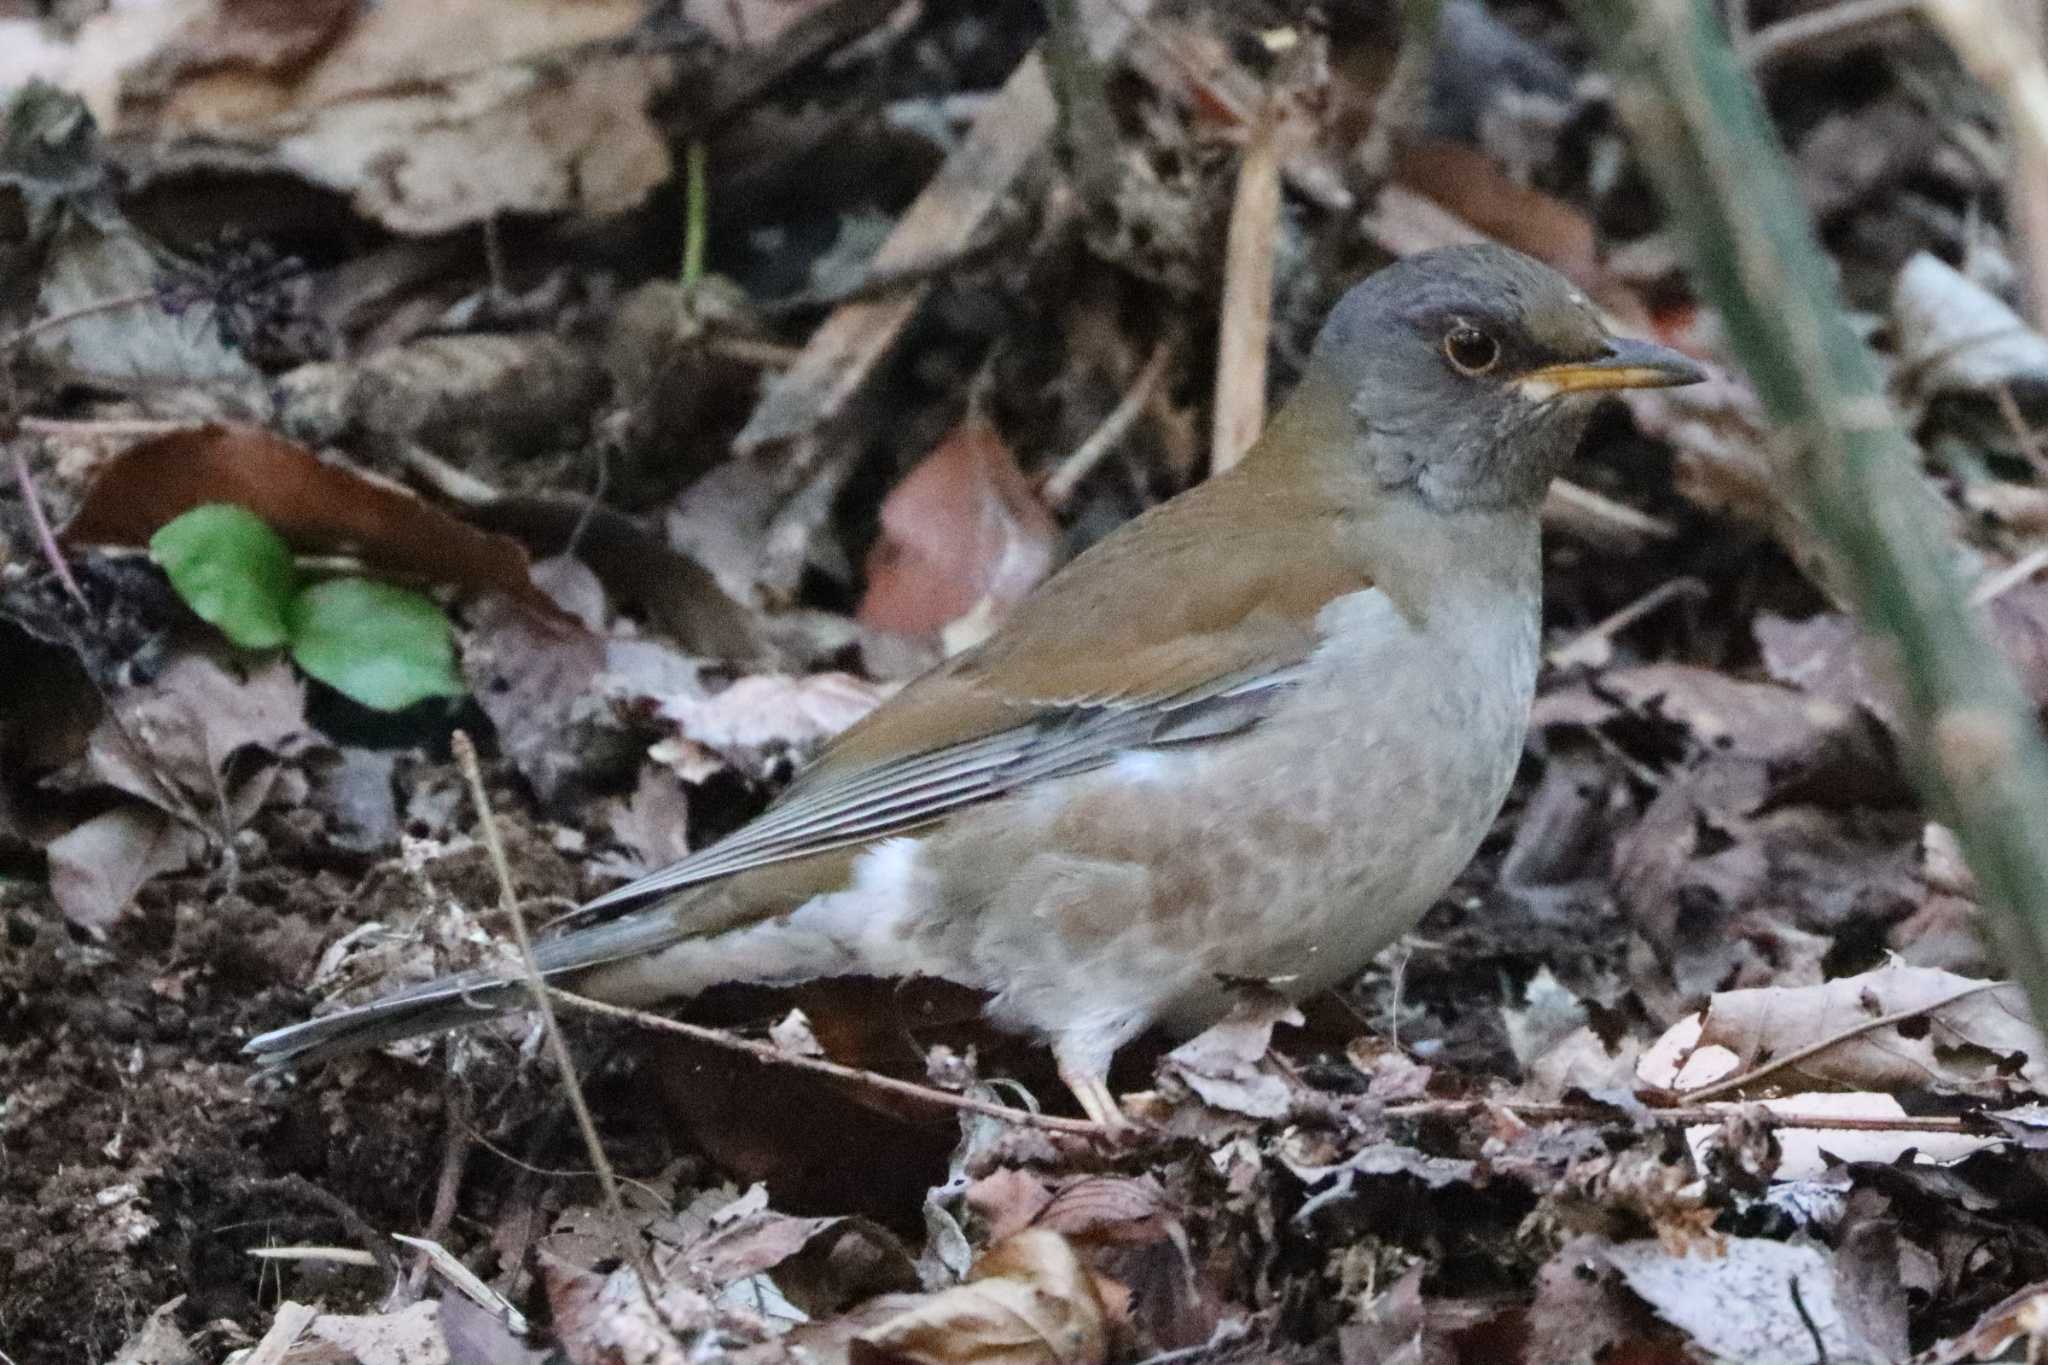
1842 460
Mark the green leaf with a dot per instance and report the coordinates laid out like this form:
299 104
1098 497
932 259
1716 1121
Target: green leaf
232 570
385 647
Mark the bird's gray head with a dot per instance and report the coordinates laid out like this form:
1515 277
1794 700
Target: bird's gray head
1471 372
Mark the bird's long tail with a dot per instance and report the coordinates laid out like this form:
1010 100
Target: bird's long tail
468 998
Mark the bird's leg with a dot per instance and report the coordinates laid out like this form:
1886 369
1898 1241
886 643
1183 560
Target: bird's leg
1087 1081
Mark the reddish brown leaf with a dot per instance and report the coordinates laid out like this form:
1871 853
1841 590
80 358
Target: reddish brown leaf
963 529
1028 1301
316 506
1466 181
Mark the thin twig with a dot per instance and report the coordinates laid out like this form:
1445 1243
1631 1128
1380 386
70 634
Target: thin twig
305 1191
2016 422
875 1080
1588 646
1799 1307
107 428
1787 37
762 355
70 315
39 522
1997 584
454 1160
536 985
1676 1116
1064 480
1862 1026
1594 516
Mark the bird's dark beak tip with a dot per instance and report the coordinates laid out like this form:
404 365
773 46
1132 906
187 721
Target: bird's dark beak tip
1651 366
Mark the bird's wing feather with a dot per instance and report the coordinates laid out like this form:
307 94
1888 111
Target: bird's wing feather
1052 695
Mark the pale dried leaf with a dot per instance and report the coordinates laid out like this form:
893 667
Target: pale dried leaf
158 1341
1222 1063
96 869
1735 1300
429 117
760 718
1028 1301
411 1336
169 743
1955 336
1984 1043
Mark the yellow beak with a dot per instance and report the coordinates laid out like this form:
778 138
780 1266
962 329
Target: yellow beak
1628 364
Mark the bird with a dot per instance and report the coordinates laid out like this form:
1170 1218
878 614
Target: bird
1252 734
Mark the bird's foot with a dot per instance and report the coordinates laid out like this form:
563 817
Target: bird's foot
1098 1103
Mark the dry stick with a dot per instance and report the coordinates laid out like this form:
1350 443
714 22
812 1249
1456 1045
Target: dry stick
1246 326
2016 422
358 1227
1573 507
1845 465
1676 1117
762 355
1799 1307
1581 648
46 541
454 1159
71 315
1064 480
1777 1064
111 428
1998 584
39 522
875 1080
1789 36
508 903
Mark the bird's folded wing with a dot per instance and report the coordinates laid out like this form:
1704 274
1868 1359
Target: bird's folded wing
1048 697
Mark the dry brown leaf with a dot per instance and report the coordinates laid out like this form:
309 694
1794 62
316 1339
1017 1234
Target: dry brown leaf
1735 1300
1982 1043
314 505
962 529
818 1264
170 743
429 116
158 1341
1470 184
1828 656
1222 1063
473 398
1008 1200
671 592
410 1336
771 715
1582 1312
607 1319
1028 1301
652 824
175 745
96 869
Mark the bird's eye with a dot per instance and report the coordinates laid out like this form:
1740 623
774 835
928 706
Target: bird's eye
1470 350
